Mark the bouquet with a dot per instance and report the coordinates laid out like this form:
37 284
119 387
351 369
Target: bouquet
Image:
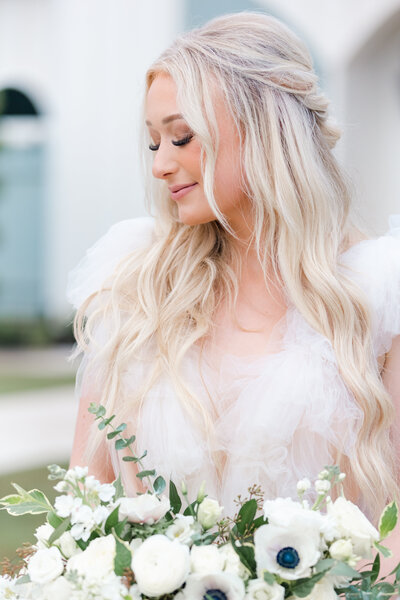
98 544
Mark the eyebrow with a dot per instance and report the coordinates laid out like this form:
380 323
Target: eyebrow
168 119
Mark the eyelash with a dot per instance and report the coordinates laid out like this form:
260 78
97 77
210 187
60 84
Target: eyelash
182 142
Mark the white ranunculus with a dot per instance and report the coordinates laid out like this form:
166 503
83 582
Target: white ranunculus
353 524
59 589
45 565
342 550
67 545
232 563
230 586
182 529
258 589
160 565
209 512
206 559
288 552
147 508
97 561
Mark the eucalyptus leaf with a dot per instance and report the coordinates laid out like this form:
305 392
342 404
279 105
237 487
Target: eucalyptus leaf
148 473
120 444
159 485
268 577
120 428
304 587
130 459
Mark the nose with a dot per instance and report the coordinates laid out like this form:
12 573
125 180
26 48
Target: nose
164 163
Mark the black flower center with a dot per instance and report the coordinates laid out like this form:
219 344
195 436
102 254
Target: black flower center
288 558
215 595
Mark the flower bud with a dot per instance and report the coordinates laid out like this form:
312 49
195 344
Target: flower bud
322 486
201 495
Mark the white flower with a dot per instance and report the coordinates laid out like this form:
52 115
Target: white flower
258 589
323 474
61 486
7 588
206 559
343 550
160 565
228 585
100 514
83 522
45 565
65 505
322 486
182 529
303 485
288 552
323 590
135 544
353 524
97 561
232 563
106 492
67 545
91 483
209 513
76 473
59 589
42 535
147 508
134 592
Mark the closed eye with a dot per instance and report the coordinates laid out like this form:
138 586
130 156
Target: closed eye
181 142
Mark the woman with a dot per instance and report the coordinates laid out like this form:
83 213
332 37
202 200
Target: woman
247 334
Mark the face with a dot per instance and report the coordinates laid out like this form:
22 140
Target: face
177 158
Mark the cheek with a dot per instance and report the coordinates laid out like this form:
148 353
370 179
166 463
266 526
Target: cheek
228 178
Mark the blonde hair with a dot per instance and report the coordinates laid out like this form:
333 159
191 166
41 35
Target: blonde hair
166 295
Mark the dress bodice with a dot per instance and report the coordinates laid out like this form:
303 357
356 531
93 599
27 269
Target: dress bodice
277 417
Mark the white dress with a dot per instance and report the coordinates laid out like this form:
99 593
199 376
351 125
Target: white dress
277 417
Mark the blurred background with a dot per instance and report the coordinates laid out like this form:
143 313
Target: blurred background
71 85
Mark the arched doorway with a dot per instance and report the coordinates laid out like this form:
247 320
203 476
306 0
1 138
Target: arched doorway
373 123
21 205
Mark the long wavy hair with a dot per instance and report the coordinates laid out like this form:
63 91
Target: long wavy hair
164 296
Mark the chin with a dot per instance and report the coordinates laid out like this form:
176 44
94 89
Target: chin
193 218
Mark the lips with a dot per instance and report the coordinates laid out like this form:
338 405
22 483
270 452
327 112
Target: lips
180 190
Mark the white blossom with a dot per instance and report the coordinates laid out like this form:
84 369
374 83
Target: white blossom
106 492
45 565
322 486
258 589
66 505
182 529
206 559
95 563
209 512
354 525
146 508
160 565
197 586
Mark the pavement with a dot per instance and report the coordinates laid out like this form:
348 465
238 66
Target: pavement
36 427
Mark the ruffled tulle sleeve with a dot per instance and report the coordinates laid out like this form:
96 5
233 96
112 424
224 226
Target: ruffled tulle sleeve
103 257
375 265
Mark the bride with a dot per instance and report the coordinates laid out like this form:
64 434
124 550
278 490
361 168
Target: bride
247 333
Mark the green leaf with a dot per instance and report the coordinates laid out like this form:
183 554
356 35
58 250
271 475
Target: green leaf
324 564
54 520
268 577
119 488
376 568
304 587
246 555
93 408
386 553
102 425
119 528
120 444
343 569
174 498
112 435
130 459
148 473
260 521
130 440
159 485
123 558
388 520
246 515
33 502
23 579
120 428
189 509
62 528
111 521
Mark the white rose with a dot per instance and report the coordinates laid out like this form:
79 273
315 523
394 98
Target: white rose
258 589
353 524
209 513
45 565
59 589
160 565
288 552
182 529
97 561
147 508
206 559
232 562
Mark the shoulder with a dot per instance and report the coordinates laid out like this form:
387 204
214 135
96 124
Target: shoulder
102 258
374 264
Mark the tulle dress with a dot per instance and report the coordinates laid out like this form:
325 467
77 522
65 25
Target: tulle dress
277 417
